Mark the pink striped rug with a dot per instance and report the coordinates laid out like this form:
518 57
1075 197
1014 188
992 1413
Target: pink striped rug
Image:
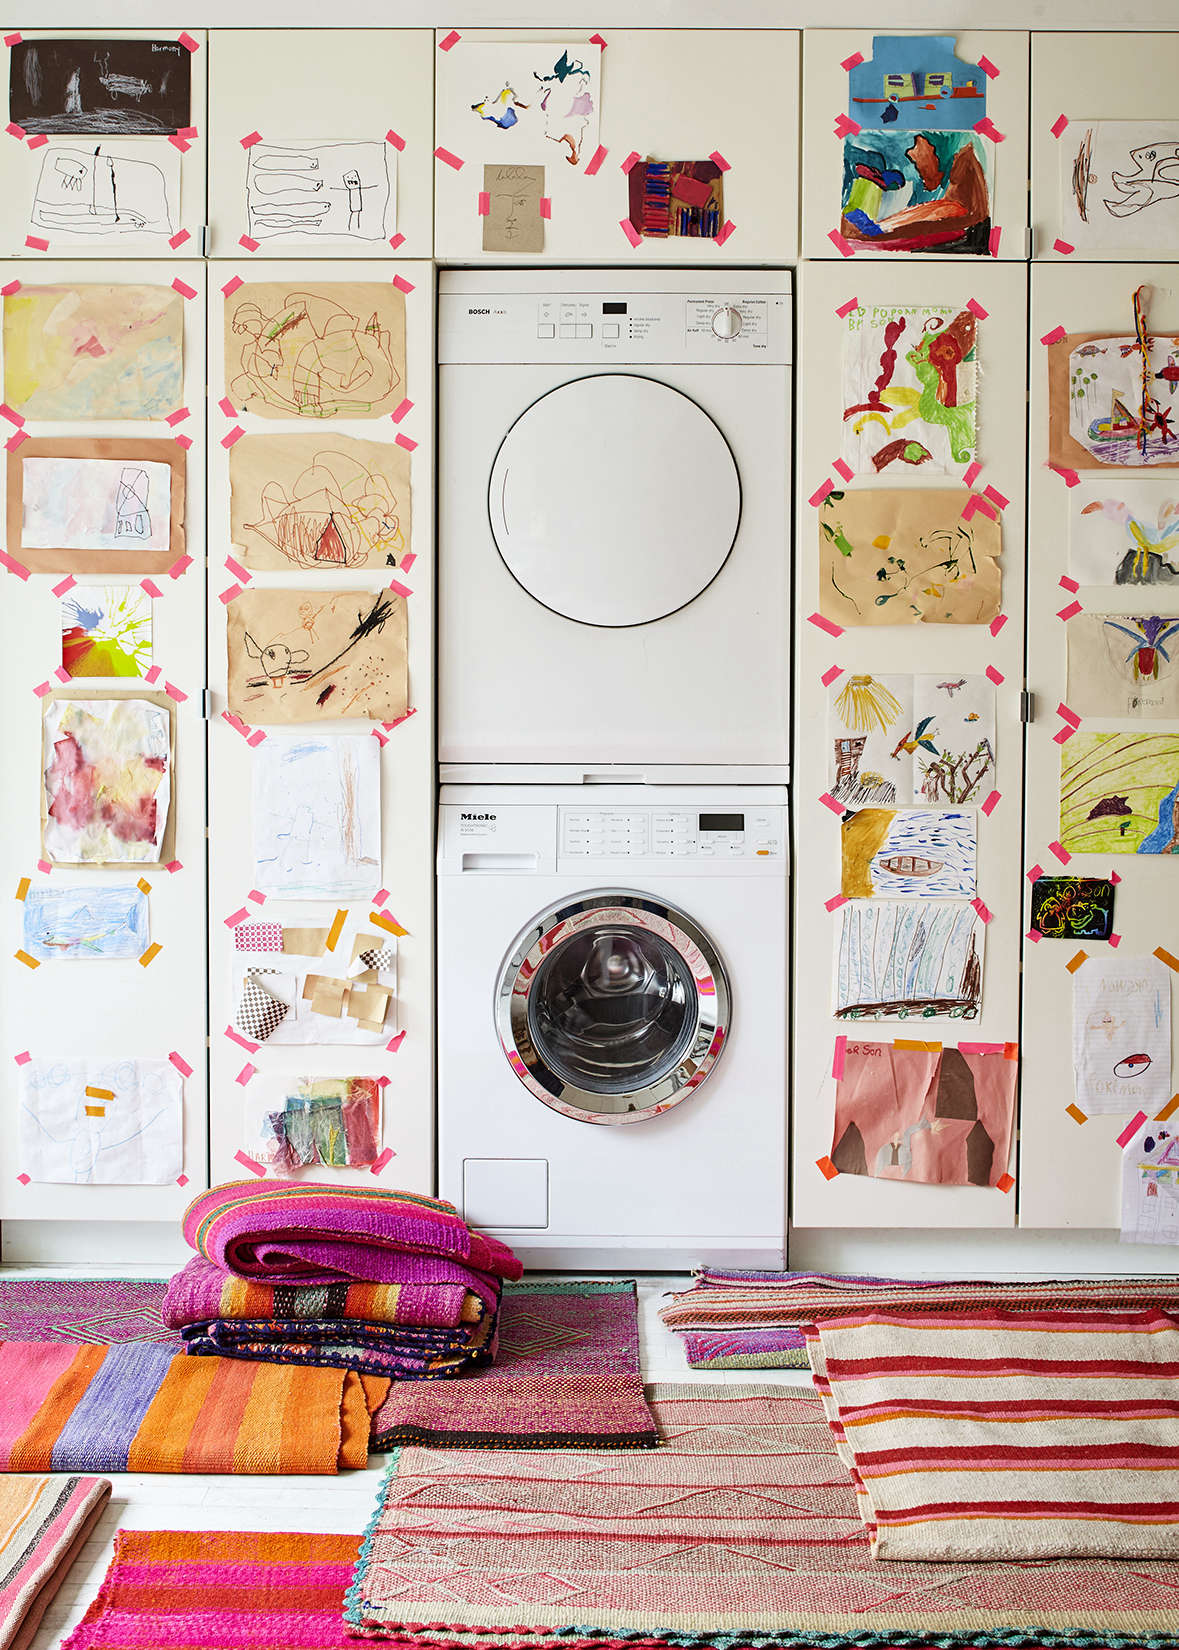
1007 1435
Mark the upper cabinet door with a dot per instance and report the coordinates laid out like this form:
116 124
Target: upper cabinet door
1105 146
914 144
320 142
110 157
671 146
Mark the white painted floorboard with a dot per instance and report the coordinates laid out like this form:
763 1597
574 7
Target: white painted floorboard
338 1505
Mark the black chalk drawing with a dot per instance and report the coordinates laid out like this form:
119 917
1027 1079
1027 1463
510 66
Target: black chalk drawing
99 88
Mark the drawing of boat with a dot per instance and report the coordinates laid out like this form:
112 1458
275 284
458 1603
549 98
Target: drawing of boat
911 865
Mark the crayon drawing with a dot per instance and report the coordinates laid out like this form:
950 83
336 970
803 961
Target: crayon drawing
317 817
1123 665
1120 184
334 351
106 631
1119 793
107 192
909 388
1121 1034
101 1122
320 191
928 738
107 780
1073 908
107 922
298 501
1111 398
299 656
93 351
908 852
1150 1184
908 960
314 1122
916 192
905 556
100 87
1124 531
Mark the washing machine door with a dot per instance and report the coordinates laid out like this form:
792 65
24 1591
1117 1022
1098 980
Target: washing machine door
612 1006
614 500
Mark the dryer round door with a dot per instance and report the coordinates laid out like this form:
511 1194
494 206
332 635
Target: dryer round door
612 1006
614 500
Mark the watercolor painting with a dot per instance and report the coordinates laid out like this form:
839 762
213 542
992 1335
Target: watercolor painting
1121 1035
1119 185
1124 532
95 504
913 81
1150 1184
94 351
521 100
892 555
909 387
940 1116
317 817
1111 397
107 192
101 1122
106 631
1119 793
908 852
107 780
104 923
1122 664
299 656
333 351
916 192
321 191
1073 908
927 738
95 88
299 501
908 959
314 1122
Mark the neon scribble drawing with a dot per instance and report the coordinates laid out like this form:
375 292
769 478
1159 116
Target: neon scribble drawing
909 382
336 351
107 191
1073 908
319 191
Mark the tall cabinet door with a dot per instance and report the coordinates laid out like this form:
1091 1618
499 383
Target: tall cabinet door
102 818
1103 749
908 667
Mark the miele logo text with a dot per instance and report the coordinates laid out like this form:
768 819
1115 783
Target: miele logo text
478 312
476 816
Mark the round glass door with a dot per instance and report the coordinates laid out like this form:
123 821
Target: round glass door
612 1007
614 500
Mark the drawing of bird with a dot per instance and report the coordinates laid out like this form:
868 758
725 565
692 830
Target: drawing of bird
913 741
952 687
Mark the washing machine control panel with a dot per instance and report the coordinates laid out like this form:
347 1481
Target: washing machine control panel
672 833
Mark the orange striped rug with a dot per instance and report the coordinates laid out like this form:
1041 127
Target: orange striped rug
1001 1434
144 1408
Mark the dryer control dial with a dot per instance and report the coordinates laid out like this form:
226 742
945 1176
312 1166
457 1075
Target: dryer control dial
726 322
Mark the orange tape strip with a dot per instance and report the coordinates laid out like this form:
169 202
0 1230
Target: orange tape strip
1171 1106
1077 1115
23 957
95 1111
150 955
1166 957
23 887
99 1094
925 1048
826 1168
336 929
1005 1182
387 923
143 885
1075 961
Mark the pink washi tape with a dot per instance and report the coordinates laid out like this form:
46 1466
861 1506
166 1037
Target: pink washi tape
66 584
250 139
594 164
248 1162
399 589
719 161
236 568
43 689
1067 583
1063 735
1069 612
1069 477
231 285
838 1058
996 497
991 803
151 587
1114 877
1035 873
832 675
177 417
976 309
842 469
846 309
395 1043
831 804
396 139
986 126
248 241
971 473
174 693
13 566
408 560
381 738
1060 852
242 1042
17 439
448 158
1065 248
7 291
1068 713
546 206
1115 940
173 866
483 204
596 40
13 39
183 288
180 143
44 867
820 493
36 243
400 410
227 407
187 41
630 161
406 441
237 918
844 248
835 902
11 414
983 912
845 126
449 40
828 625
1058 125
988 68
852 62
402 285
1056 336
631 233
1131 1129
380 897
1033 936
244 1075
396 240
182 1180
378 1163
993 240
258 897
723 233
229 595
23 1058
994 675
181 1064
232 437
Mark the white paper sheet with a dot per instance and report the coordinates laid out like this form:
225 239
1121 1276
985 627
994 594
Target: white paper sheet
109 191
1125 531
896 740
129 1133
1121 1034
1150 1184
1119 184
321 191
317 816
96 504
526 100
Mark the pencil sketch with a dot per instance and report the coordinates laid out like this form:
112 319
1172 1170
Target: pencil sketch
107 191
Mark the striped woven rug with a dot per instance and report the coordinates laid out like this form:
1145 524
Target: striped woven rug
740 1530
44 1524
1008 1435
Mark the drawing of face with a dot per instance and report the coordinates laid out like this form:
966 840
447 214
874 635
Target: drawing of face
1101 1023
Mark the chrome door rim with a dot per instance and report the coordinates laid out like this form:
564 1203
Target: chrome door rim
624 908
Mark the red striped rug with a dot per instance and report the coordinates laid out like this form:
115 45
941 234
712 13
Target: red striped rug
740 1530
1008 1435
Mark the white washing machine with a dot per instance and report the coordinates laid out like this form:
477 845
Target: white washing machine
614 518
612 968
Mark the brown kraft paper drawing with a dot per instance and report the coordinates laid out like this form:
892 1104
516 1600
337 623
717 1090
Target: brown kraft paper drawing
303 656
68 558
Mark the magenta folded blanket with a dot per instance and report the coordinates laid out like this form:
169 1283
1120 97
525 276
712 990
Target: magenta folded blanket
424 1291
293 1231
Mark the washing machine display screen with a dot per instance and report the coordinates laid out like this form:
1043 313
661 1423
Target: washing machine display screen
612 1010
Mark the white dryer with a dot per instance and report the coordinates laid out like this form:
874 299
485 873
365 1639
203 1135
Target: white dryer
614 518
612 980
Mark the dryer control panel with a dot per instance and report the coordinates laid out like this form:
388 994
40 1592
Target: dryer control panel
735 327
671 833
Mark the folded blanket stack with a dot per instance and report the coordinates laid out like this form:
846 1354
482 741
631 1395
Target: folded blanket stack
382 1282
755 1320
